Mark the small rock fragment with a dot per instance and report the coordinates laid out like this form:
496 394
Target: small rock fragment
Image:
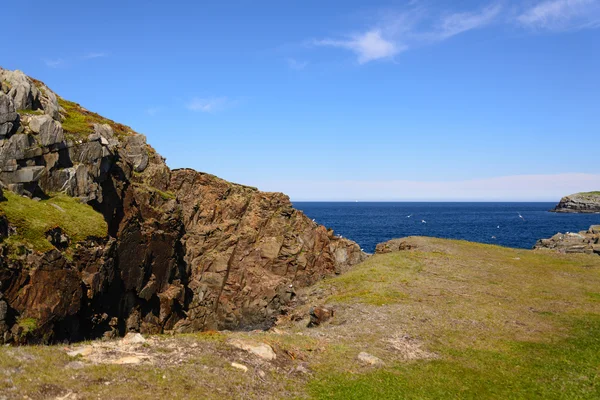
369 359
261 350
133 338
319 314
240 367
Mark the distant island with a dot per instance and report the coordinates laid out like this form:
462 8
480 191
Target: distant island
585 202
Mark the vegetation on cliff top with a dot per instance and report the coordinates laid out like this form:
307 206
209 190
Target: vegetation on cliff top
450 320
79 121
33 219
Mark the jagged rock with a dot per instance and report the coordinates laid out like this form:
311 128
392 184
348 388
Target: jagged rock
245 248
136 152
8 116
50 131
21 89
186 250
587 242
588 202
319 315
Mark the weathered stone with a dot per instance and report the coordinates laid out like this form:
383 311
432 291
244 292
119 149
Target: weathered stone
50 131
8 116
586 242
261 350
369 359
136 152
24 93
133 338
319 315
239 366
23 175
579 203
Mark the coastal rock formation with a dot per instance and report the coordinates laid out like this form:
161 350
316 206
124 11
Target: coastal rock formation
99 237
587 242
588 202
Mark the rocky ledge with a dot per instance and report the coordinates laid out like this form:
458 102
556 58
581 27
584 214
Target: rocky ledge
587 242
587 202
98 237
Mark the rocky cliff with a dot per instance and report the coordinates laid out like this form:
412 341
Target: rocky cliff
587 242
588 202
99 237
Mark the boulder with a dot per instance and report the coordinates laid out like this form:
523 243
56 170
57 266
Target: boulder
24 93
587 242
50 131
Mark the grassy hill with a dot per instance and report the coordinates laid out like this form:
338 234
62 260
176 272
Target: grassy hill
450 319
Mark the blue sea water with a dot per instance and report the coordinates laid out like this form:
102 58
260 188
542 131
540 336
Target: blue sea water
496 223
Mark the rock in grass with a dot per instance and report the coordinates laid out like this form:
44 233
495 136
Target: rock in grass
241 367
261 350
369 359
133 338
318 315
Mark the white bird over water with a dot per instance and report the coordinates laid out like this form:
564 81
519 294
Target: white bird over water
423 221
408 216
520 216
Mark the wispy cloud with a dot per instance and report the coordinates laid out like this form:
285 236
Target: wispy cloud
152 110
92 55
73 59
54 63
560 15
410 28
295 64
209 105
368 46
457 23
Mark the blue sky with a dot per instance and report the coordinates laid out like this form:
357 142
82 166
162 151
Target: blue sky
338 100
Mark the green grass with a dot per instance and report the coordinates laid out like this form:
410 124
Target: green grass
564 369
28 324
33 219
379 281
78 122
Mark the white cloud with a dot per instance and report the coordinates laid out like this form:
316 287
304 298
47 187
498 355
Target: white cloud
411 28
508 188
295 64
209 105
94 55
562 15
456 23
54 63
368 46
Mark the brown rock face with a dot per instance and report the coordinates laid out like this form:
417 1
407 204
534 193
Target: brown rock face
185 250
248 250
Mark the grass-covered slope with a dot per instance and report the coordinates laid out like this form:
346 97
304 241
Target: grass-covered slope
450 320
33 219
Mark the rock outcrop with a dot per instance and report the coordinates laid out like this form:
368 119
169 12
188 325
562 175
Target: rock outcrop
587 242
185 250
588 202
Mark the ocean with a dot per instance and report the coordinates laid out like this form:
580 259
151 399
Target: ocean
496 223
